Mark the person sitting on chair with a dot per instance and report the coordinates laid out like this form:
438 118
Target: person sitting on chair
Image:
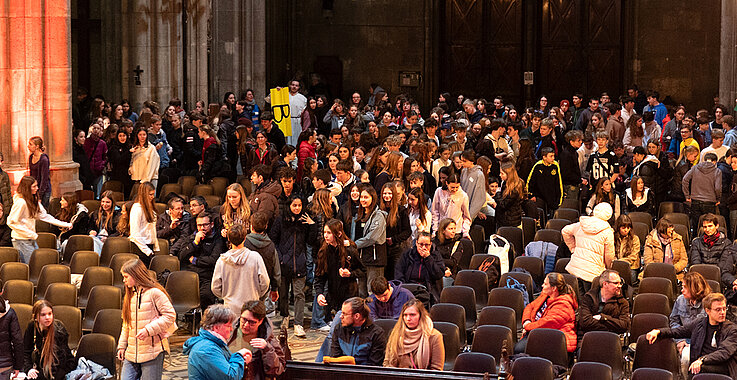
604 308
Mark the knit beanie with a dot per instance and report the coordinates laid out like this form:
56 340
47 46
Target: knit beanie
603 211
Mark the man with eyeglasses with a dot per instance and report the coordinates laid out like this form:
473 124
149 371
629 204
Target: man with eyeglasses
604 308
255 333
358 336
201 254
713 338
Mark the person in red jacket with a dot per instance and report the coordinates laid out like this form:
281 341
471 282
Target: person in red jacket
555 308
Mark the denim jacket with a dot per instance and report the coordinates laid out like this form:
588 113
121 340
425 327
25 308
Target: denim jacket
684 313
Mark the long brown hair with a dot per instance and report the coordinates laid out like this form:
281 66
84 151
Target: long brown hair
48 353
322 204
363 213
624 244
442 226
24 189
66 213
375 161
123 226
392 207
149 210
136 269
696 285
601 197
633 186
514 184
421 203
395 343
336 227
108 216
392 165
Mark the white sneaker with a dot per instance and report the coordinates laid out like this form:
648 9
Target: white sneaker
325 328
299 331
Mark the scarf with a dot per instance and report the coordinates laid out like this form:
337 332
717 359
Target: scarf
417 346
667 249
711 240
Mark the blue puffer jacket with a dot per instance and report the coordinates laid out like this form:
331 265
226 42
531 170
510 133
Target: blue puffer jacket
291 237
392 309
209 358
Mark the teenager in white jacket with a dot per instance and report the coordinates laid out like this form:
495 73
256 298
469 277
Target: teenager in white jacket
143 223
592 243
145 160
26 210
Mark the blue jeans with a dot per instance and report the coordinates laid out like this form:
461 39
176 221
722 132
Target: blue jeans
150 370
325 348
25 248
318 315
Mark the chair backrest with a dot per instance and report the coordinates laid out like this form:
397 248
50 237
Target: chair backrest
524 278
475 362
61 293
13 271
659 285
549 235
219 185
451 313
567 213
557 224
560 265
18 291
623 268
715 286
113 246
532 368
590 370
92 277
168 188
112 185
387 325
71 317
84 195
116 263
40 258
161 262
77 243
709 271
573 282
500 316
476 280
641 230
92 205
651 303
651 374
160 208
46 240
642 217
670 207
685 233
477 234
184 288
101 297
661 354
515 238
24 313
710 376
534 265
602 347
188 183
463 296
549 344
508 297
163 248
490 339
643 323
451 342
50 274
99 348
528 232
663 270
570 203
81 260
203 190
8 254
678 218
478 259
108 321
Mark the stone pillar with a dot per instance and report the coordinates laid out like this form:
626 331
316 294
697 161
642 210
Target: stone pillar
728 55
35 83
199 14
238 56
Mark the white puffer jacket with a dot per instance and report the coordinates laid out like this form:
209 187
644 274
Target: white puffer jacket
592 243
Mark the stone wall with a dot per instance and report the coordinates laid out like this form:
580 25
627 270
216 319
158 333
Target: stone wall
674 49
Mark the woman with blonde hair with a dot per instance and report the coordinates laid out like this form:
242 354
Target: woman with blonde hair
392 171
236 209
508 210
46 345
148 320
142 222
27 208
687 309
414 343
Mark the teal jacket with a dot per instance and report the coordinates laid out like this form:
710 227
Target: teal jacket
209 358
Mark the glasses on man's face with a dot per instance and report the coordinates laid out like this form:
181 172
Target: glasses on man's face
203 224
615 283
246 321
426 245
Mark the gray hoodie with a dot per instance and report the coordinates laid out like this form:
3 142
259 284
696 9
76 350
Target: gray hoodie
265 247
473 183
703 182
239 276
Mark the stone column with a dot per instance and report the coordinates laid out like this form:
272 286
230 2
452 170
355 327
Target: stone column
35 83
728 55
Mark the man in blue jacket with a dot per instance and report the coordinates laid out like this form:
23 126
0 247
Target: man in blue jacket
388 299
209 357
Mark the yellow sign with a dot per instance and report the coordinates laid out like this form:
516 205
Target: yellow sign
280 109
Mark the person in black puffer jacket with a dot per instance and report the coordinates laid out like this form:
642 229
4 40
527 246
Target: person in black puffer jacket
398 229
711 245
420 265
5 231
11 339
291 232
509 200
646 167
455 250
34 340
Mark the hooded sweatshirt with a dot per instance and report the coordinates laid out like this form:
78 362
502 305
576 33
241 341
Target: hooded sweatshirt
392 308
473 183
703 182
240 275
265 247
592 243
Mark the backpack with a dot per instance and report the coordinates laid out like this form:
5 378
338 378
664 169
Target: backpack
544 250
499 247
490 266
512 283
163 277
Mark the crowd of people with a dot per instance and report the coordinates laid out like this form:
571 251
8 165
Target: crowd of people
363 195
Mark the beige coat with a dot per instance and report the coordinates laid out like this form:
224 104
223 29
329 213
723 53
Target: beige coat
437 355
654 252
154 313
